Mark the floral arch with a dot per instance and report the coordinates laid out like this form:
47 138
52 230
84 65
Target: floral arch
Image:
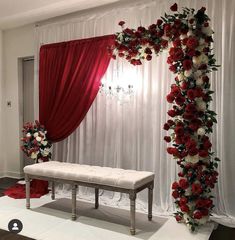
188 37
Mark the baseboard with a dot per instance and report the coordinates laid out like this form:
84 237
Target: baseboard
16 175
2 174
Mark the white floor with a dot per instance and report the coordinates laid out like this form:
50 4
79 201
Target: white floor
50 220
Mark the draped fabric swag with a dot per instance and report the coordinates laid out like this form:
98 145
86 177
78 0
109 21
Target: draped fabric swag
69 79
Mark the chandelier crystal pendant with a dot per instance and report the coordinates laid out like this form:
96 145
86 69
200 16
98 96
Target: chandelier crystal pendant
119 84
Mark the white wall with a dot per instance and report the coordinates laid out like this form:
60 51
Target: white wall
17 43
2 156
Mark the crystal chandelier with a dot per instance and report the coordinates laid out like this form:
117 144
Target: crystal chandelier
119 85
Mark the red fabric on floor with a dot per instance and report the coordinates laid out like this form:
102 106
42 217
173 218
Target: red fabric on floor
38 188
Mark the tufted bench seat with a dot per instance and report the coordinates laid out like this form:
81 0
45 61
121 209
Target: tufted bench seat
113 179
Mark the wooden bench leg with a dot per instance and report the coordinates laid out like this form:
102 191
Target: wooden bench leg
74 193
27 190
96 198
53 190
150 201
132 197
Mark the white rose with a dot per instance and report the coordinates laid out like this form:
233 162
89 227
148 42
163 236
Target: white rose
196 60
34 155
188 192
28 135
201 41
199 82
44 143
204 58
35 134
186 217
39 139
203 220
192 159
201 131
197 74
207 30
200 105
183 36
190 33
181 76
46 151
188 73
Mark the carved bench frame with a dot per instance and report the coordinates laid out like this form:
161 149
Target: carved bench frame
132 195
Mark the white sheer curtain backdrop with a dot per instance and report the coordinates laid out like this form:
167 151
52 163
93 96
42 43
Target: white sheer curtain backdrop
130 135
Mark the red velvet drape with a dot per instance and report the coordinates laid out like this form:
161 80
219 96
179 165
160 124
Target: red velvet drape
69 79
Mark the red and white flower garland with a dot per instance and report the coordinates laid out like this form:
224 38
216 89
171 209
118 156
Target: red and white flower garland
188 37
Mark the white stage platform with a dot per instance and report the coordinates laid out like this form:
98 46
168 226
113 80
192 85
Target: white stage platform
50 220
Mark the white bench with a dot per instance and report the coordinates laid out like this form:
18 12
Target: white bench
112 179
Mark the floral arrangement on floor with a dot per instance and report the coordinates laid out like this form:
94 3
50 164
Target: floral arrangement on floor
188 37
35 142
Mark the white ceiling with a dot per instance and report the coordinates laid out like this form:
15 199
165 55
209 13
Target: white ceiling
14 13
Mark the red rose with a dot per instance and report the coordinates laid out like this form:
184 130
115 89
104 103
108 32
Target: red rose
178 218
184 85
172 151
190 94
180 174
159 22
196 188
193 126
180 100
173 68
175 194
191 53
191 144
176 53
187 64
200 203
171 113
170 98
207 144
205 79
197 214
204 212
167 139
192 42
121 23
175 90
121 54
179 131
193 151
166 127
157 48
170 60
183 183
203 9
175 185
149 57
174 7
148 51
184 208
202 67
170 122
198 92
209 203
178 140
164 43
177 43
203 153
183 201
